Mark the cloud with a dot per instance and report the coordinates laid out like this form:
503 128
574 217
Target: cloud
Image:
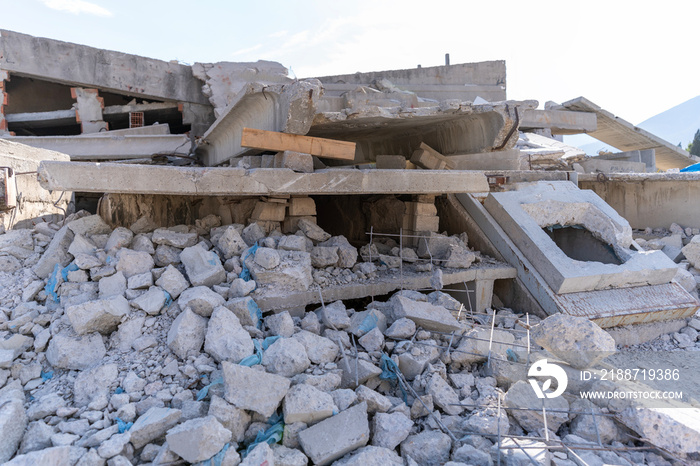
247 50
277 34
77 6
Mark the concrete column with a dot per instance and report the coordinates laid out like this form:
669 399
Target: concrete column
4 76
483 294
89 110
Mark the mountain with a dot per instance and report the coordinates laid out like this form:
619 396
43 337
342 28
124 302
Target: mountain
676 125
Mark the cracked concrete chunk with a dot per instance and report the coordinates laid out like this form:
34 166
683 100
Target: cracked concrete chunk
576 340
152 425
174 237
425 314
186 334
389 430
521 395
226 339
334 437
198 439
304 403
77 353
203 267
253 389
430 447
201 300
286 357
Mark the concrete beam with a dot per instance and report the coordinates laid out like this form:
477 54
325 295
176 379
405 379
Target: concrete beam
465 81
107 147
625 136
152 179
385 283
79 65
559 121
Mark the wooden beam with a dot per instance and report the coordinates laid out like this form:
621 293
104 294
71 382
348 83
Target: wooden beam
320 147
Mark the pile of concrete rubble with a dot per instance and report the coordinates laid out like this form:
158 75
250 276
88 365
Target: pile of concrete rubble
144 346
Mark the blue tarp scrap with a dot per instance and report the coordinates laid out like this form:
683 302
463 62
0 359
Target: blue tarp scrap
271 436
123 426
691 168
205 390
390 371
168 299
256 358
245 273
69 268
255 313
46 375
217 459
368 323
52 283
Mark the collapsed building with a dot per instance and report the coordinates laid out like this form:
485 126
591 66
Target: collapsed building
218 264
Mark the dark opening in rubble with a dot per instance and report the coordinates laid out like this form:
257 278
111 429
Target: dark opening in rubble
579 244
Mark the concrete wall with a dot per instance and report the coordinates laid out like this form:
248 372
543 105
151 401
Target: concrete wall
36 202
463 81
650 200
75 64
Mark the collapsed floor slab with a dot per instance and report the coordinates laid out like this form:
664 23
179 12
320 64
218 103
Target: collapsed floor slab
149 179
624 136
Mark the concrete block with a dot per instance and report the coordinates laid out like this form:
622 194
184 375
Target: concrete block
76 353
103 315
291 224
286 357
152 301
307 404
334 437
56 253
268 211
391 162
172 281
593 165
201 300
421 223
152 425
521 395
203 267
420 208
301 206
430 447
500 160
186 334
430 159
226 339
174 237
198 439
425 314
296 161
253 389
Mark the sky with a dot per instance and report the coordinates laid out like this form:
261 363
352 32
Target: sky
633 58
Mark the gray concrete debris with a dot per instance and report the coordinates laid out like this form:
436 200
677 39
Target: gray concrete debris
443 395
253 389
371 456
94 385
226 339
424 314
512 454
172 281
521 395
389 430
281 324
320 350
576 340
152 301
234 419
334 315
286 357
177 237
429 447
201 300
198 439
13 421
75 352
307 404
186 334
475 347
203 267
98 316
132 262
334 437
402 328
54 455
152 425
313 231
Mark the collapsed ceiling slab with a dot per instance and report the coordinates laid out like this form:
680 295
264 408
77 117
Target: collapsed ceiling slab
151 179
80 65
559 121
625 136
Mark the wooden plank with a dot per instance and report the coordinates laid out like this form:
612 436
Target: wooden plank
320 147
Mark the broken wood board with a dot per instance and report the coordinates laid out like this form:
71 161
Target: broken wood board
320 147
270 299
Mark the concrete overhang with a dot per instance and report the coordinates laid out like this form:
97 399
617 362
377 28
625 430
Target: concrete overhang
108 147
210 181
625 136
559 121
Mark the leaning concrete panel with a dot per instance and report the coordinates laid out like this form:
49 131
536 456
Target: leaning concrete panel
107 146
559 121
152 179
289 109
625 136
74 64
525 212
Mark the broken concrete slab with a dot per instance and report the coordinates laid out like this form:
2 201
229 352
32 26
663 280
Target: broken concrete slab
242 388
198 439
153 179
153 424
307 404
525 213
103 315
334 437
76 353
424 314
203 267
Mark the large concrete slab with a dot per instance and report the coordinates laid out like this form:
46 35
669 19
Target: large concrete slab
108 147
625 136
526 211
197 181
559 121
74 64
